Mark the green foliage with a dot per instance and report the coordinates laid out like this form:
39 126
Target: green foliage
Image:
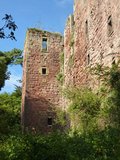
44 32
62 59
84 108
93 146
18 91
60 78
71 61
114 79
60 75
3 71
60 118
12 57
72 40
86 142
110 93
83 99
9 112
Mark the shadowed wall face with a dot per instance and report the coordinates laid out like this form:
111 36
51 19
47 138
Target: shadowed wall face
91 37
40 88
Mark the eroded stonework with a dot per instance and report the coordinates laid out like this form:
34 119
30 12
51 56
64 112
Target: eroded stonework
96 39
40 87
91 36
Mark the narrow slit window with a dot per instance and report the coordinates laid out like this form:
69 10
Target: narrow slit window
86 27
44 44
50 121
110 26
44 71
88 59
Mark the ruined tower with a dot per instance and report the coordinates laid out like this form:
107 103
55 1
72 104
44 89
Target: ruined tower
40 94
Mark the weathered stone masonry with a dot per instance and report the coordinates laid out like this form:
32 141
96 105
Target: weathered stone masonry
96 39
40 87
91 36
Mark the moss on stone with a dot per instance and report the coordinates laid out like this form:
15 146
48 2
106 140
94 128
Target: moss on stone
43 31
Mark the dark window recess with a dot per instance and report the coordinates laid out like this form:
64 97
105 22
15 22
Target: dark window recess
44 71
86 28
44 44
110 26
88 59
113 60
50 120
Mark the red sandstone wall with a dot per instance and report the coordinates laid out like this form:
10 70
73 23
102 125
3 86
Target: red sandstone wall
69 51
101 47
40 92
86 33
77 70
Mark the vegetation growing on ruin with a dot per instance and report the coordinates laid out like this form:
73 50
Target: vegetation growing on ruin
71 60
84 108
72 40
60 78
95 125
44 32
60 75
61 118
62 60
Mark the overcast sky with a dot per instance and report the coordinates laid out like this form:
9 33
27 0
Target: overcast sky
49 15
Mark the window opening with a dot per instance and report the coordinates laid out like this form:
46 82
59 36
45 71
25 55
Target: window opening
110 27
44 71
113 60
86 27
88 59
50 121
44 44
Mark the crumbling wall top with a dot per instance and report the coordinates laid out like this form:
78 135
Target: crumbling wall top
35 30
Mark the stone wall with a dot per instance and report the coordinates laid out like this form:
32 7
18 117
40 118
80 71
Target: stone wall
40 87
91 36
69 51
96 38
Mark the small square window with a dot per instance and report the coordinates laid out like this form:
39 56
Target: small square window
50 121
44 71
44 44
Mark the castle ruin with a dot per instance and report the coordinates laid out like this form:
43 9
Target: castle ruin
91 36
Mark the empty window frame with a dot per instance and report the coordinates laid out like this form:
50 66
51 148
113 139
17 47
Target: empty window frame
50 121
44 44
44 70
110 26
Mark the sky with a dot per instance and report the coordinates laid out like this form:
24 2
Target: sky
50 15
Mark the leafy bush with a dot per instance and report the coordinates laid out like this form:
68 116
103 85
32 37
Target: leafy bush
86 142
84 108
9 113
